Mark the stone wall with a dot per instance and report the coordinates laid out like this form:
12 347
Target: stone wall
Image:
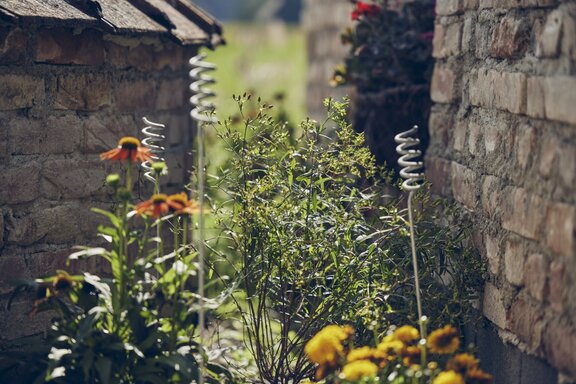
503 146
324 21
66 96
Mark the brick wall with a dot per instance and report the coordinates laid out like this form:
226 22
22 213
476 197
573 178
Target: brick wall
66 96
503 146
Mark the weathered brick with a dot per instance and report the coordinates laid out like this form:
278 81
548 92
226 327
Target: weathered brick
493 305
460 134
20 184
557 285
549 145
63 46
103 131
20 91
514 256
560 98
464 185
526 146
502 90
447 40
474 137
83 92
13 45
492 247
509 38
440 126
567 165
135 95
559 342
560 228
568 45
535 275
523 213
146 57
491 194
526 321
535 97
172 94
62 224
470 4
468 34
548 41
448 7
12 268
72 178
443 84
58 134
437 172
19 315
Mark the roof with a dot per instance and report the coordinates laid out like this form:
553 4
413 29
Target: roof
177 19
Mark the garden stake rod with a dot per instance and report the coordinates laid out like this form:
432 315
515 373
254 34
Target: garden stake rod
201 113
412 172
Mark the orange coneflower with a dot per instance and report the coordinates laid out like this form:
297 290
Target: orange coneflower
444 340
129 148
156 206
179 204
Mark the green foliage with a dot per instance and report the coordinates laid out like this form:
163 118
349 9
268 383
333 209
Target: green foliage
314 242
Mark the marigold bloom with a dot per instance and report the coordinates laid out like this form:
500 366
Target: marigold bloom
129 148
448 377
365 353
359 369
390 346
411 355
406 334
477 376
462 362
325 348
179 204
444 340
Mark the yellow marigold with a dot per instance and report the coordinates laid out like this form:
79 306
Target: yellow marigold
444 340
477 376
448 377
365 353
462 362
406 334
411 355
390 346
359 369
325 348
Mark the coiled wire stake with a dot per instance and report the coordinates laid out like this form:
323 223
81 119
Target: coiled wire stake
412 172
201 113
153 140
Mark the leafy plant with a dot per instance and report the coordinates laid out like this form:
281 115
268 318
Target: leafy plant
314 242
139 324
388 48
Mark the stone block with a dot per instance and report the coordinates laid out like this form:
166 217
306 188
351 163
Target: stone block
526 320
526 146
13 46
547 155
493 254
447 40
557 285
1 229
559 342
548 41
514 257
20 184
535 275
523 213
491 194
437 172
470 4
102 131
535 97
135 95
438 41
64 46
443 84
448 7
440 125
12 268
560 228
172 94
493 305
568 44
567 165
560 98
464 185
60 134
509 38
468 34
83 92
474 137
501 90
72 178
20 91
459 134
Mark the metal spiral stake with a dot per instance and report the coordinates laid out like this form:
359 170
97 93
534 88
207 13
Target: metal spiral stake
412 172
153 140
201 113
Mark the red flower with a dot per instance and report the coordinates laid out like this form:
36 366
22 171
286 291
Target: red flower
156 206
365 9
180 204
129 148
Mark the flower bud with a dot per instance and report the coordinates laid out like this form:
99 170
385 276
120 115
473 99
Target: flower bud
113 180
159 168
124 194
